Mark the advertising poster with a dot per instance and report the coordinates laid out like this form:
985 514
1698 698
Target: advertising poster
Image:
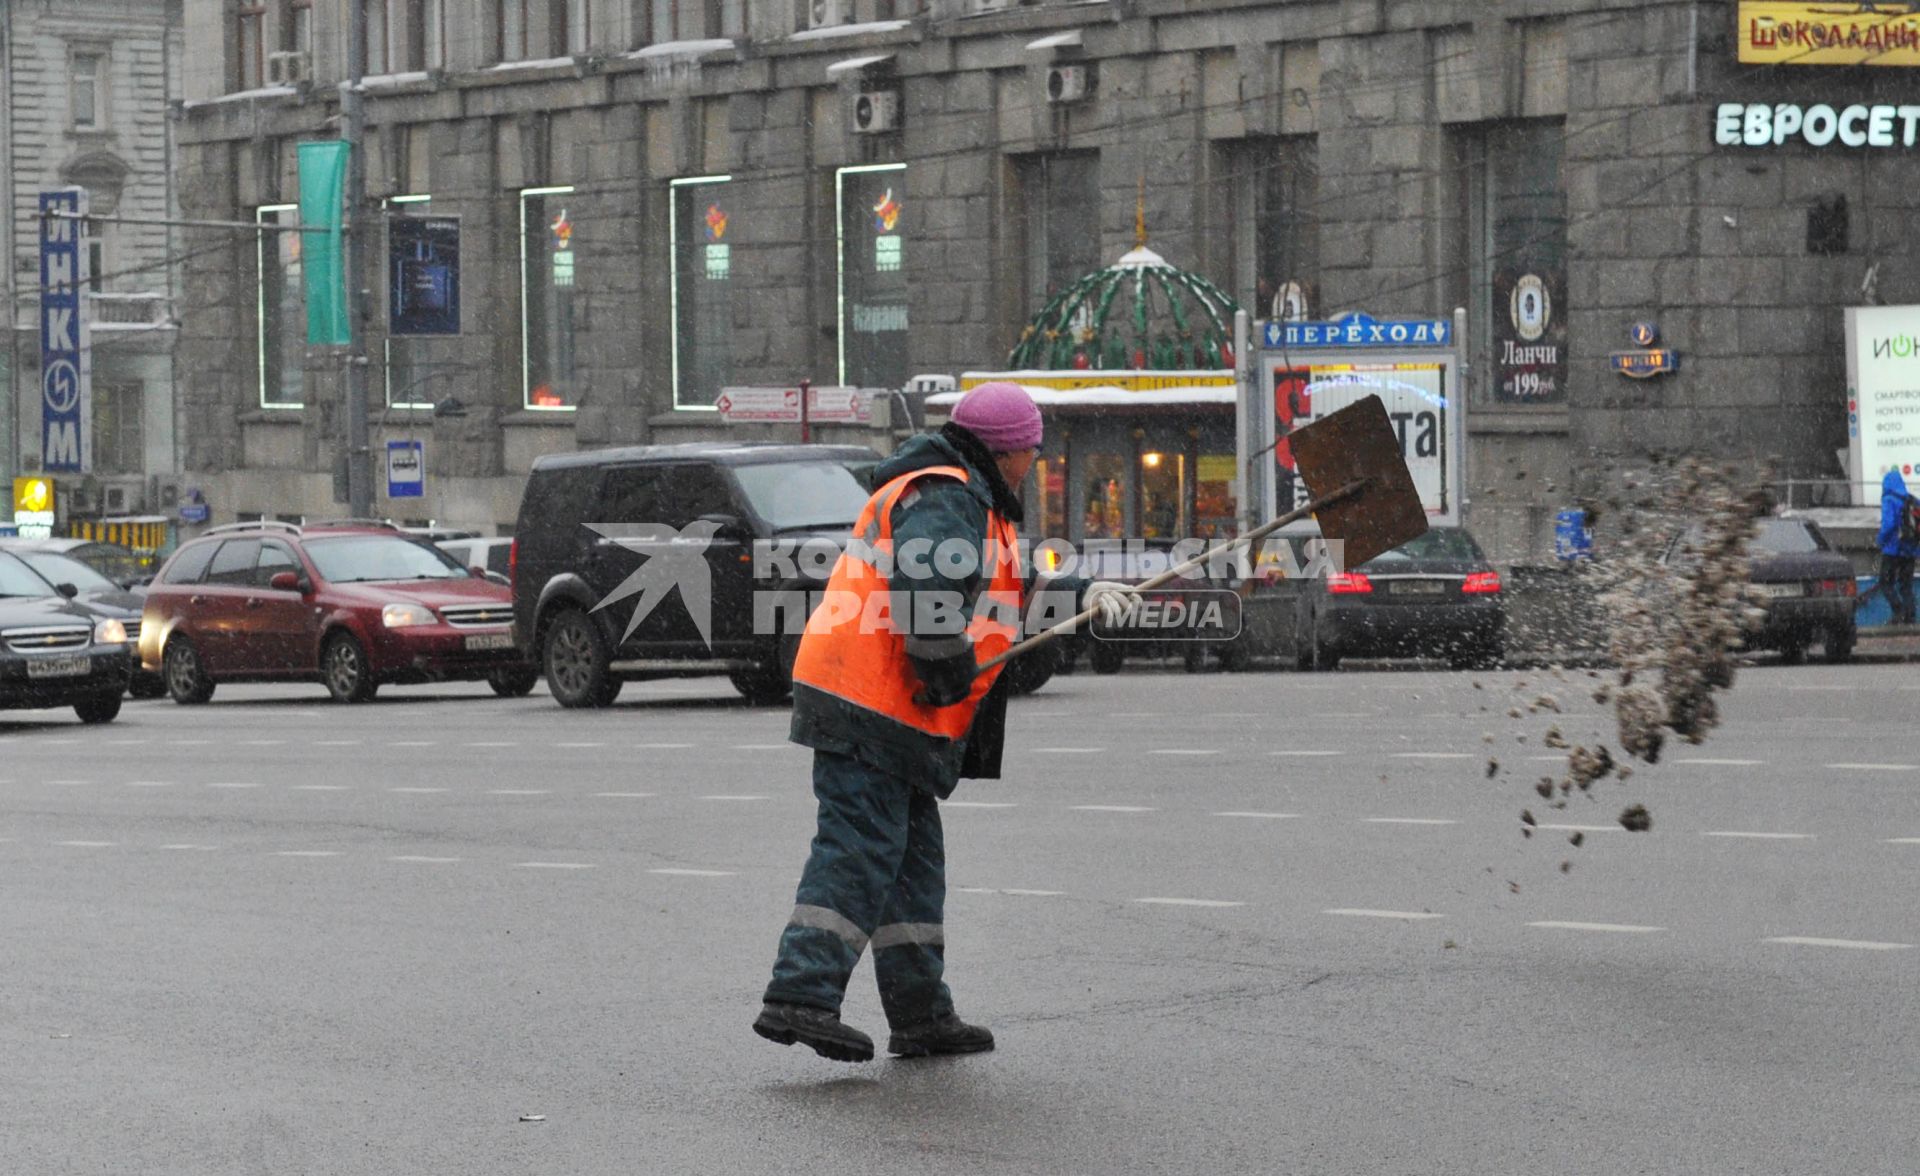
66 351
1415 395
1883 395
1530 335
423 275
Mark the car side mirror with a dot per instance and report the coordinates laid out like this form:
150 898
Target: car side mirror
66 590
726 526
286 582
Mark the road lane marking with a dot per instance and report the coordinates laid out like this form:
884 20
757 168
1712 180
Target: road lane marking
1189 902
979 804
519 792
1903 841
409 788
1183 751
336 743
149 783
89 844
1112 808
1583 828
1433 755
495 743
1722 763
763 746
631 795
413 743
555 866
581 743
321 787
1304 754
1758 836
1409 821
1616 928
261 742
189 742
422 859
189 845
1033 893
684 872
232 784
67 783
1365 913
312 853
725 797
1876 767
975 890
1852 944
661 746
1068 750
1263 816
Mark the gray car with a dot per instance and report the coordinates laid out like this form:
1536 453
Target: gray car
54 652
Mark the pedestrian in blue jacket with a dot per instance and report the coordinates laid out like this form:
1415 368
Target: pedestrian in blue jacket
1899 543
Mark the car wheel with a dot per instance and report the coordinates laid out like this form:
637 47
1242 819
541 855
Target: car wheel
576 659
1839 647
186 678
1793 655
147 686
346 670
514 683
101 708
1107 657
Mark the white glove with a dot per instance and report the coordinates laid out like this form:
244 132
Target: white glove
1112 598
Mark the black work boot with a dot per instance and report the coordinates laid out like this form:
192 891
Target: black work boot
945 1034
818 1029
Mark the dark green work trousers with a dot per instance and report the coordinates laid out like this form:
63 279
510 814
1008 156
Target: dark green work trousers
877 875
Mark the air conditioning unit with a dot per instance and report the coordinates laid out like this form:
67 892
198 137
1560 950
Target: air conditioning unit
823 14
1066 83
121 500
876 112
288 67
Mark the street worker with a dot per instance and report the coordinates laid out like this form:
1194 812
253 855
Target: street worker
1899 544
888 691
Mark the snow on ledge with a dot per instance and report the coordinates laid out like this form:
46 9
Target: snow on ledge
381 81
535 63
243 96
680 49
850 30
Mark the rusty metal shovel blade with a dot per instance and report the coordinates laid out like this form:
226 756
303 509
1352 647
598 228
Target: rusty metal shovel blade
1358 444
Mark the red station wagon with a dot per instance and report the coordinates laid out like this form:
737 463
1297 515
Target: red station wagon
352 605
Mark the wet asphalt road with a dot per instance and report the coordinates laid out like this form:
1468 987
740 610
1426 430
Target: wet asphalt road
1260 923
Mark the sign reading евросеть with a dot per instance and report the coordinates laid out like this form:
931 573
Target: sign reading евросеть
1765 124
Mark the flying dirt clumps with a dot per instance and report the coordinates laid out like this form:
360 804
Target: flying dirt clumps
1671 580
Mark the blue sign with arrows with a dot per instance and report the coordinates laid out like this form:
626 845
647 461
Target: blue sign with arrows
1359 331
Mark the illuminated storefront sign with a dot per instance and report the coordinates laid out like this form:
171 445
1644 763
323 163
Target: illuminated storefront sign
1827 33
1767 124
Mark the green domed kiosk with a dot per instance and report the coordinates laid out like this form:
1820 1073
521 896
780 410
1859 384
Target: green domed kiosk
1132 366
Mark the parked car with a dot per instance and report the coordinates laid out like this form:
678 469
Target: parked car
352 605
1436 596
54 652
1806 588
1133 562
100 597
111 560
490 555
567 577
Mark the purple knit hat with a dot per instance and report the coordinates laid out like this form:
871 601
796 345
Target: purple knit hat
1002 415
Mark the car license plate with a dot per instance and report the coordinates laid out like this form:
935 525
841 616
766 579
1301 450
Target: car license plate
58 667
1418 587
490 641
1776 591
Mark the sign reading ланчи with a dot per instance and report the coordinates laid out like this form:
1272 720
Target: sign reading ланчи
1773 124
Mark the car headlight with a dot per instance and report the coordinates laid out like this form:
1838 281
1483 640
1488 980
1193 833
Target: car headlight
109 632
401 616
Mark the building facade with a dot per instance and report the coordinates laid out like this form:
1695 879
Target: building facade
661 198
87 86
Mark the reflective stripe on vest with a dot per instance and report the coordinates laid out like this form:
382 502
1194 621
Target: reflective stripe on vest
855 649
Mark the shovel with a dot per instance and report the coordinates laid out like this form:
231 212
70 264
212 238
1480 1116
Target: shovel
1364 498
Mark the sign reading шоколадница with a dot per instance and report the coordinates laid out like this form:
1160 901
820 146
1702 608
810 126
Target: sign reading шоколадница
1824 32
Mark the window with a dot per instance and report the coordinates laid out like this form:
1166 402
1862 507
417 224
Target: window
97 260
233 564
693 20
1061 204
632 494
250 47
118 439
547 377
424 38
511 21
1517 237
569 26
86 91
408 360
274 557
1277 242
188 566
701 227
873 275
692 491
377 36
296 26
280 319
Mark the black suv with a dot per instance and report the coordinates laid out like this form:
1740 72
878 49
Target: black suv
588 551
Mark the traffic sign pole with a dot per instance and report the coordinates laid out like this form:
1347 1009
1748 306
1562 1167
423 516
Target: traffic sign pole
806 420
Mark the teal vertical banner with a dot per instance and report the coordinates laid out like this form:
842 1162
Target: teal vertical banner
323 175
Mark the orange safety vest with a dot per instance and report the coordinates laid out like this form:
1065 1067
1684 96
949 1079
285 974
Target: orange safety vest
856 650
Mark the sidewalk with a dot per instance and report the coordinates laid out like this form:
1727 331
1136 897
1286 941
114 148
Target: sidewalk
1888 643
